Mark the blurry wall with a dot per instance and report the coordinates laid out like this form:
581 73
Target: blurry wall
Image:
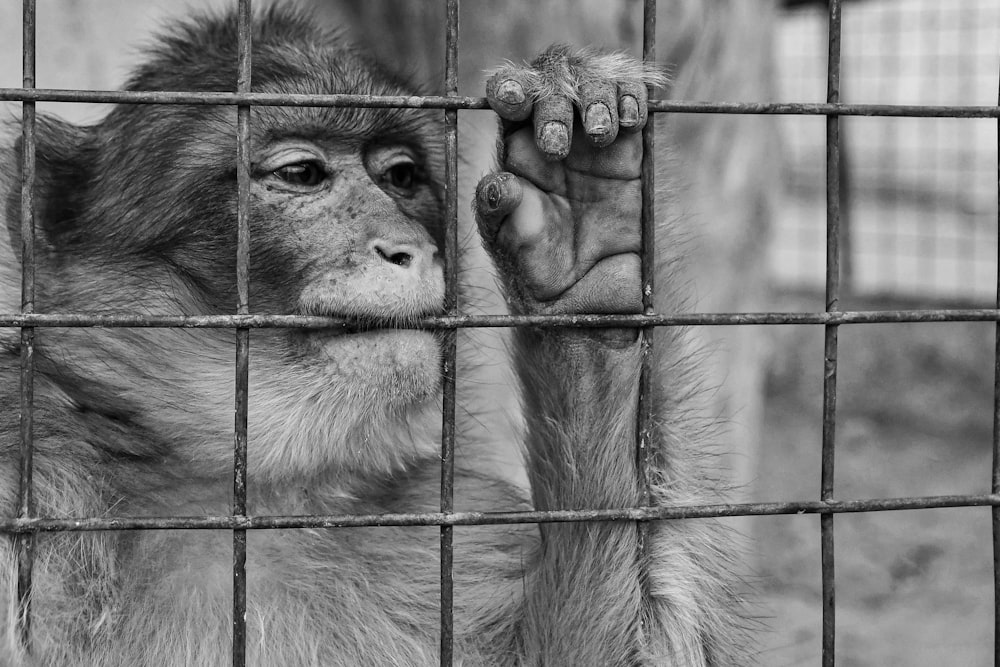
88 44
920 194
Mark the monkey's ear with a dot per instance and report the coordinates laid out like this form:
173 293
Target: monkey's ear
65 156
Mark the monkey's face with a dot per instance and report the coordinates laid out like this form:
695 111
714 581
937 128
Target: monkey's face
342 229
342 224
345 211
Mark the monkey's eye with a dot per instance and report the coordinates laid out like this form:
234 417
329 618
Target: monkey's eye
397 169
402 175
302 174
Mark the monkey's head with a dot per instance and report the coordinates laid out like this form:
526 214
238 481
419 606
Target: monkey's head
139 212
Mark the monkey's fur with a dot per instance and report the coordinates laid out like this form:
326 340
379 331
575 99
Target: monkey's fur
137 214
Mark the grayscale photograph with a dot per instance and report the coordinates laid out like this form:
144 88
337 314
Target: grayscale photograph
550 333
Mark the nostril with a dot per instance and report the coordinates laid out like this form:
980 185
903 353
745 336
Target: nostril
398 256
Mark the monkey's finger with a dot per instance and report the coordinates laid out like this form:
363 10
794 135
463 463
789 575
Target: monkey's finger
506 92
497 195
599 110
553 121
633 108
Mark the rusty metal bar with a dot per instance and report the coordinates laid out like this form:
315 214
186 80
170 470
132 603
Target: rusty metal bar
827 109
648 259
831 334
645 409
462 102
254 99
995 481
484 321
449 366
659 513
244 66
25 544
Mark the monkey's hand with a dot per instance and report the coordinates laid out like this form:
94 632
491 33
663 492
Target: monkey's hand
562 219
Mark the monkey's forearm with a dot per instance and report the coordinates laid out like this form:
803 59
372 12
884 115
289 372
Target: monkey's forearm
580 398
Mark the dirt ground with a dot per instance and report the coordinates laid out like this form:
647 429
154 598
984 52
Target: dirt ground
914 418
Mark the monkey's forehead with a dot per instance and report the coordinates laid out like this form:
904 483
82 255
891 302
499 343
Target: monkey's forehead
339 124
289 45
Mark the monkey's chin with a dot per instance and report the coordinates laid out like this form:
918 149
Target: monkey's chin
395 367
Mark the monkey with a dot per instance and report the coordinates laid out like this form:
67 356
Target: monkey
137 213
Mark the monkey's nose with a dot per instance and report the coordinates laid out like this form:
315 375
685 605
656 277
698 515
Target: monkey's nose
401 254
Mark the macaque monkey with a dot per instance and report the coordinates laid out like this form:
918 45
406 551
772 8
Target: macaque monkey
138 214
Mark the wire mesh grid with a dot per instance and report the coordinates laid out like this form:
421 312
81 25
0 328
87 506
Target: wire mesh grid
26 524
918 195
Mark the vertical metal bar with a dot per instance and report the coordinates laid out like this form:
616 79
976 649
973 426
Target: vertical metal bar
995 482
242 335
648 263
645 409
450 348
25 542
830 338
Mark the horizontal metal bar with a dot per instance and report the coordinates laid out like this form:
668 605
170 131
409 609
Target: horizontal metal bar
493 321
442 102
37 525
232 99
827 109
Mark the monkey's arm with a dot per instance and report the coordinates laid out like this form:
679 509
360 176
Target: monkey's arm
562 222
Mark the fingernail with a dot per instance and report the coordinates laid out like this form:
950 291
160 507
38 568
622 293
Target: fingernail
597 120
554 138
494 195
628 114
510 92
499 193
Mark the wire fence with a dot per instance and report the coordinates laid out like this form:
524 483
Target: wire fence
918 195
25 524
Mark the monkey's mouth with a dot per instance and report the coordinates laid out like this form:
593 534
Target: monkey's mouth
390 345
361 325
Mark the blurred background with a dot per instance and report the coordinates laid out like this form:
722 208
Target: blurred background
920 231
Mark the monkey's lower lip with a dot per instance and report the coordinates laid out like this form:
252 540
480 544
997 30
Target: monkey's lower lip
353 331
355 328
317 340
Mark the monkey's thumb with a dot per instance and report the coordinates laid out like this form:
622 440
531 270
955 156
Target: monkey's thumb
497 195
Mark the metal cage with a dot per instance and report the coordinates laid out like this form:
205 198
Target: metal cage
24 524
